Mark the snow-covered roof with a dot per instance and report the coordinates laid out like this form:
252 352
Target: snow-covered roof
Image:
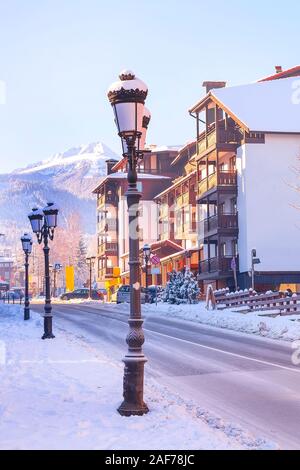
176 183
119 175
141 176
163 148
270 106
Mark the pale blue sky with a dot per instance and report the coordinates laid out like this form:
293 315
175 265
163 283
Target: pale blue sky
58 57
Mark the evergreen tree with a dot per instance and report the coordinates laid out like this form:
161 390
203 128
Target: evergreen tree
182 287
81 266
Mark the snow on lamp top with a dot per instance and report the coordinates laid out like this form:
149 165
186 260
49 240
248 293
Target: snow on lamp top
26 242
127 97
50 213
128 88
36 219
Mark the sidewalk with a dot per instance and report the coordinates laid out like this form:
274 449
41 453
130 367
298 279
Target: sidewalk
63 394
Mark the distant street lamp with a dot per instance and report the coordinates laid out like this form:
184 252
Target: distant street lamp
26 241
43 223
91 263
146 253
127 97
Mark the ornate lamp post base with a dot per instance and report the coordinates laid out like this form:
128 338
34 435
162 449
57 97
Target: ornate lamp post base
48 328
133 404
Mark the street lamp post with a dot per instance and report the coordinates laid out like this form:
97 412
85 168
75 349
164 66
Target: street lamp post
43 223
91 262
127 97
146 252
26 241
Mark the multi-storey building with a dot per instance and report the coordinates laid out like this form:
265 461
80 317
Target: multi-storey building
7 270
219 197
245 156
112 217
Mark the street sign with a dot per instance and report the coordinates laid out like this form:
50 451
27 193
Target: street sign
57 266
155 259
256 261
155 270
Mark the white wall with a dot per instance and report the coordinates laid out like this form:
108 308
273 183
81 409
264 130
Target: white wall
266 196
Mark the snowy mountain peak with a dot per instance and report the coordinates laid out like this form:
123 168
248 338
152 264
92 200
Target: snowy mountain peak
93 155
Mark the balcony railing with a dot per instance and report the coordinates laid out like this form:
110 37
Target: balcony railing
225 178
107 225
224 221
164 211
216 265
108 247
105 273
182 200
225 136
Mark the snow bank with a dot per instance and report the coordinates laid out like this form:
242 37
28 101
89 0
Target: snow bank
285 328
63 394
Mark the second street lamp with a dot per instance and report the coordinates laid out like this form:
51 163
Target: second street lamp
26 241
127 97
91 262
43 223
146 252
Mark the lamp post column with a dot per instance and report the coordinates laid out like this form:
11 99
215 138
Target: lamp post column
48 334
26 307
146 284
133 383
90 292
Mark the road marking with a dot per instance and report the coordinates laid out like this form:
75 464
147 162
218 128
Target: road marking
226 352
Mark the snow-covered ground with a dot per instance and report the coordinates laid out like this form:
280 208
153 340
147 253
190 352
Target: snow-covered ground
281 327
63 394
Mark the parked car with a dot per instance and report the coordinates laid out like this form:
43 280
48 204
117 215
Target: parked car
83 293
19 291
123 294
14 295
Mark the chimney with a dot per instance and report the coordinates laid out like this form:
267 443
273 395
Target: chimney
211 85
278 68
109 165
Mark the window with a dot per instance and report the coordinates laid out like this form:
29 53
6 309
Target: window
223 249
234 248
233 205
232 163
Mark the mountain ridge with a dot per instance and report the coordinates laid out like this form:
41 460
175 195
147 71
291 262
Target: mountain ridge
67 178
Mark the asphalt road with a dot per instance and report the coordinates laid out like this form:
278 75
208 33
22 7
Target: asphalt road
241 378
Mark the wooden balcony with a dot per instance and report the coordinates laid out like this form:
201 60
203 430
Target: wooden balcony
106 199
108 248
224 223
182 200
225 179
105 273
107 225
232 135
215 267
164 211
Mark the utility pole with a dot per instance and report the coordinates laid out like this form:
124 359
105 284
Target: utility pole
254 261
91 262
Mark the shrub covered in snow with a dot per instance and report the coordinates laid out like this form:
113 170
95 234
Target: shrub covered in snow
181 288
